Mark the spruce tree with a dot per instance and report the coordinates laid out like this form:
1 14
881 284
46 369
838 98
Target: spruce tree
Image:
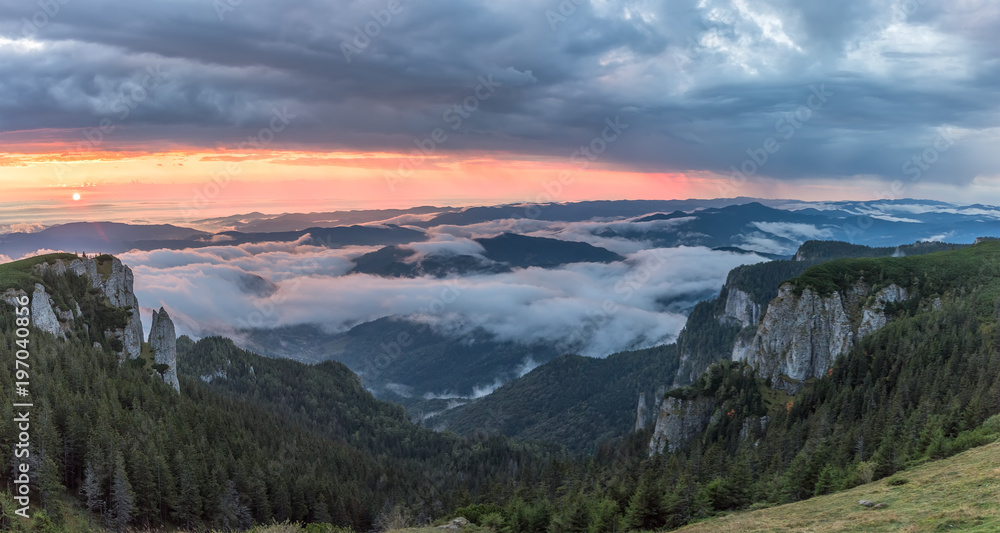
122 498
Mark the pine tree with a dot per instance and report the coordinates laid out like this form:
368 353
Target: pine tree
122 498
234 514
605 517
48 479
645 508
188 508
828 481
93 489
573 518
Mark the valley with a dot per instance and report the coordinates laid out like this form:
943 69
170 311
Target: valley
801 377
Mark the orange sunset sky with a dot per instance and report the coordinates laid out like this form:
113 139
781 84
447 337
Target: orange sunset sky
275 109
226 182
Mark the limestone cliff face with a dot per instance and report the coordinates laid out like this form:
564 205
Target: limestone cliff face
873 315
679 422
13 296
117 287
42 315
163 341
741 347
741 308
641 413
119 290
646 411
801 336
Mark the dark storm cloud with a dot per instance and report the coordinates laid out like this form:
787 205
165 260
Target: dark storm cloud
699 82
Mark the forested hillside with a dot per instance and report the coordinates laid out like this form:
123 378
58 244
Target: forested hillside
251 440
923 387
575 401
580 402
248 440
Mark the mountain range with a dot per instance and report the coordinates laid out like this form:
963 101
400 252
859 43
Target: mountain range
803 377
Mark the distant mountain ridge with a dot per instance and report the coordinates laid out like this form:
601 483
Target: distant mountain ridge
774 227
94 237
500 254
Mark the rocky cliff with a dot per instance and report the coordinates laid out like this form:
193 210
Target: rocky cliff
42 315
112 278
163 342
801 335
679 422
645 414
119 289
741 309
641 413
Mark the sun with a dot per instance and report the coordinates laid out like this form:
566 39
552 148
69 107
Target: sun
76 197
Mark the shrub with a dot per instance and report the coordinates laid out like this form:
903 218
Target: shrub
476 512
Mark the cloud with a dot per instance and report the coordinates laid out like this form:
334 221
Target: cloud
793 231
222 237
699 82
890 218
214 289
921 209
445 245
586 231
759 242
593 309
22 227
42 251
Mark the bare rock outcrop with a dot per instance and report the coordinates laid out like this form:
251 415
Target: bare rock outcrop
873 316
42 315
741 308
117 287
646 411
679 422
87 268
163 342
119 290
641 413
801 335
13 296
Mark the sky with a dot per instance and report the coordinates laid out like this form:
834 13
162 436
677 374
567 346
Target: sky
313 105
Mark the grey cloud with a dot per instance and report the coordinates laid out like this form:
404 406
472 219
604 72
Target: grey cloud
444 245
700 83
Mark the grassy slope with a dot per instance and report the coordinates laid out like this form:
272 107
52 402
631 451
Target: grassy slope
18 273
961 493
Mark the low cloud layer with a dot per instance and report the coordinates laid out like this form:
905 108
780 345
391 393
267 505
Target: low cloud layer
444 245
592 309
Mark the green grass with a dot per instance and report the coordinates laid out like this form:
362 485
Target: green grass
961 493
19 275
104 263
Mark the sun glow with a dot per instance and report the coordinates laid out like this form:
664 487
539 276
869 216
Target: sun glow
76 197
